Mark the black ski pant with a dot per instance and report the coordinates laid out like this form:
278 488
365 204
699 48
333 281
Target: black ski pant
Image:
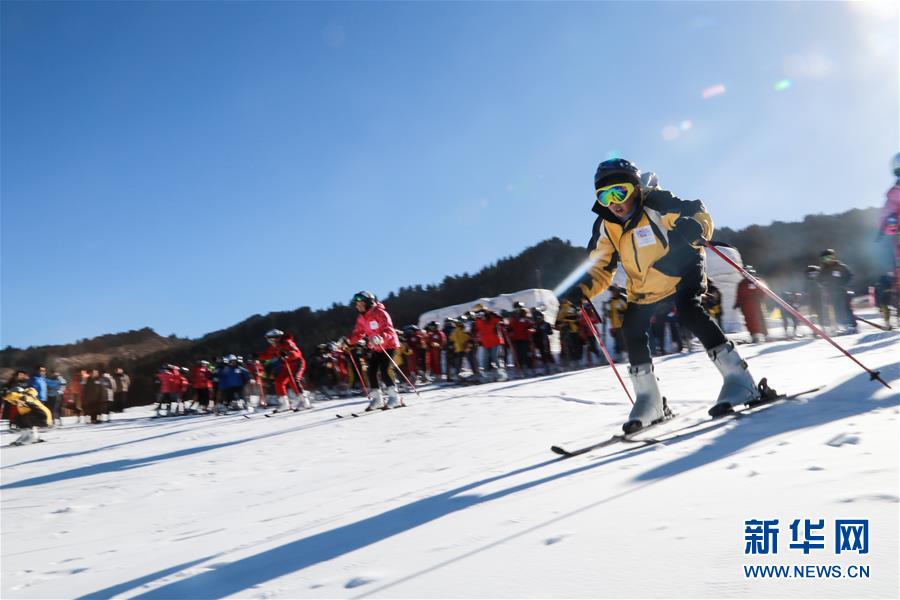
522 353
690 312
379 363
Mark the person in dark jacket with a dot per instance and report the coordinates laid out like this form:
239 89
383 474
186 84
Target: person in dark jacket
812 291
835 278
541 340
93 396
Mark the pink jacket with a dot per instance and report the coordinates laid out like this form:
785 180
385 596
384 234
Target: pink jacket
891 207
375 321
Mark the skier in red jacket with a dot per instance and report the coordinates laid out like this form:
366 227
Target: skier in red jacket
750 298
375 325
487 330
520 328
282 346
436 341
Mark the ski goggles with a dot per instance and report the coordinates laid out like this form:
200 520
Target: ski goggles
616 193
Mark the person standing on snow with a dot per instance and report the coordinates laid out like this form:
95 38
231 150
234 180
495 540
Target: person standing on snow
519 329
812 290
436 341
541 341
889 225
232 378
282 346
655 236
835 278
487 331
615 313
374 324
749 298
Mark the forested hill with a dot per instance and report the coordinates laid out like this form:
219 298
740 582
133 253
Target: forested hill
779 251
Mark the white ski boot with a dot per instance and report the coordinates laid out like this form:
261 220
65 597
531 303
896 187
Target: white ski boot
303 402
649 405
394 400
284 403
376 401
738 388
29 436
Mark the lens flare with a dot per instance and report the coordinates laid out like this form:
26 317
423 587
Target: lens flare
713 90
574 276
782 85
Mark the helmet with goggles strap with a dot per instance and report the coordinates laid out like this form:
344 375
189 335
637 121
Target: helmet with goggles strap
615 181
367 298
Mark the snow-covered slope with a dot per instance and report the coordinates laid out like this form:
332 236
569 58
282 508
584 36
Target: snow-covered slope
459 496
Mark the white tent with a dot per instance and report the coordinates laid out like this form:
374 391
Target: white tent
542 299
726 279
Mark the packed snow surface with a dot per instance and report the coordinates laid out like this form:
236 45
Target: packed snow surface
458 495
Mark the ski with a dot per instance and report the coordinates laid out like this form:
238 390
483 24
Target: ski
369 412
614 439
280 411
632 437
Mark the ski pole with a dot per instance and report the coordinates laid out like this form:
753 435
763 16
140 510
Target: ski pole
874 375
605 351
294 382
399 370
358 374
867 322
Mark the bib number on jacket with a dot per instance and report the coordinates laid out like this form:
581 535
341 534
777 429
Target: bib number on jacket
643 236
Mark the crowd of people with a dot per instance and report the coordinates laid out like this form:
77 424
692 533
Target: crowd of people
39 399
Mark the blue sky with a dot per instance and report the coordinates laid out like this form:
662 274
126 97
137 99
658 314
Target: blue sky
185 165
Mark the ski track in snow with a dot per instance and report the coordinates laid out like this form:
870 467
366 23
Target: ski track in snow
459 496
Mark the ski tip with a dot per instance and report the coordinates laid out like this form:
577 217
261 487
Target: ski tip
560 451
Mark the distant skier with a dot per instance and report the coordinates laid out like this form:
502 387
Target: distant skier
835 278
374 324
283 348
655 235
487 328
520 328
201 383
30 413
889 225
883 296
615 314
541 341
232 378
812 291
435 340
749 298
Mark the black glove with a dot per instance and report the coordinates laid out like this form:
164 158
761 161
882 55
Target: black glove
687 230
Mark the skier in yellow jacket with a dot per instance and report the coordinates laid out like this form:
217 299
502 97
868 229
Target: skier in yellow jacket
30 413
656 238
